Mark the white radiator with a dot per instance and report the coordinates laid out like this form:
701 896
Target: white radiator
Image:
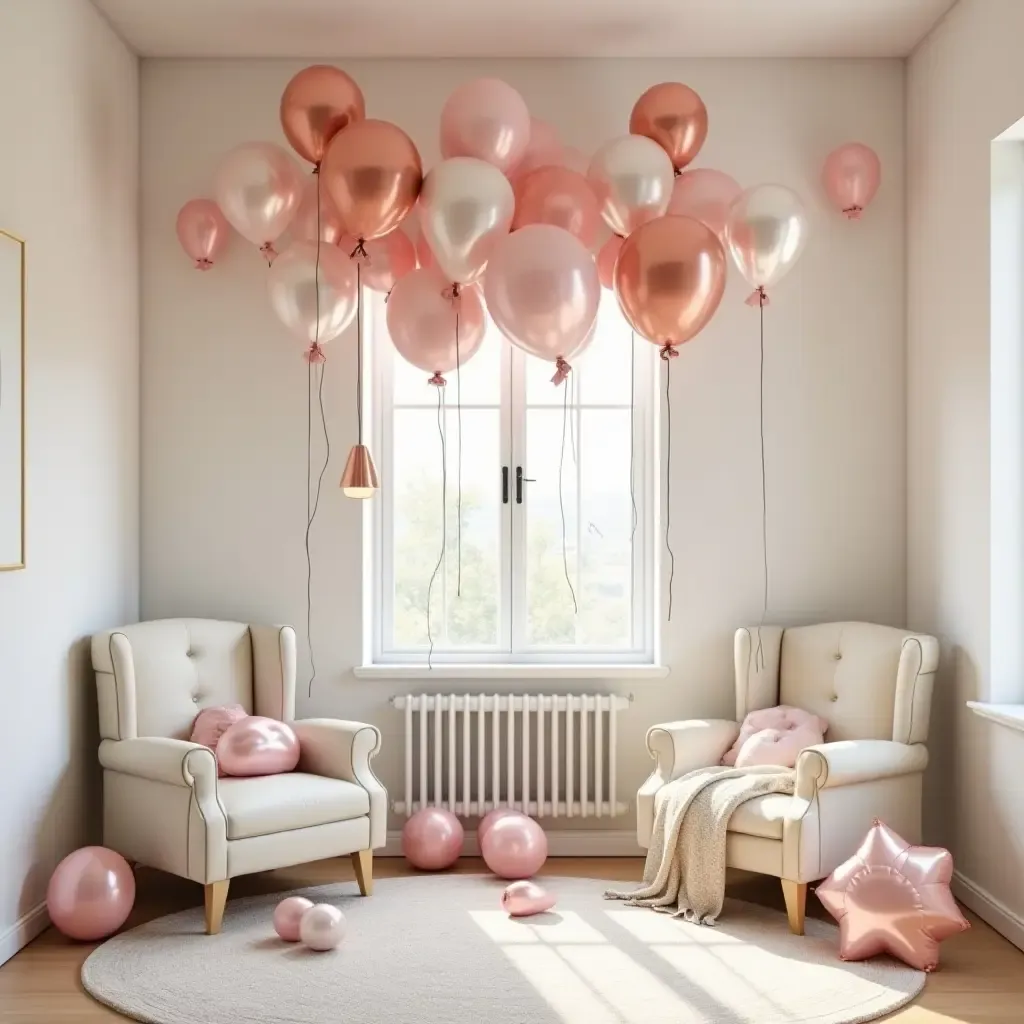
548 756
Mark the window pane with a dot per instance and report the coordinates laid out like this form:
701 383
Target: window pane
539 389
605 365
472 618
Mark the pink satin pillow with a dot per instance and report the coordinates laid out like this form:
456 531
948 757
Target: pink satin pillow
212 723
775 736
258 746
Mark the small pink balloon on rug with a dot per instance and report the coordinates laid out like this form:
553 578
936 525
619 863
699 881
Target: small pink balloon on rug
432 839
488 820
322 927
891 897
258 746
288 916
523 899
515 847
90 894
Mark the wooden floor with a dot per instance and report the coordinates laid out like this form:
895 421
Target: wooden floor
981 980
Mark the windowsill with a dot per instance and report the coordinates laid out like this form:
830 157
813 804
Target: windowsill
561 671
1010 715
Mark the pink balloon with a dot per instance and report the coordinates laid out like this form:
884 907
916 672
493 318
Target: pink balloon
488 820
421 318
288 916
304 226
543 150
202 231
851 175
515 847
705 195
258 746
523 899
211 723
542 291
606 257
558 196
432 839
258 188
90 894
388 259
322 927
424 255
576 160
486 119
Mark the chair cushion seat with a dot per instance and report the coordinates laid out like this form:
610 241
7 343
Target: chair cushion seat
281 803
763 816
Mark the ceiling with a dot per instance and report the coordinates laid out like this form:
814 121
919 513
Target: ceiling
523 28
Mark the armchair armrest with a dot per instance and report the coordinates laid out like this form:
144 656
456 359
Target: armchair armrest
847 762
343 750
681 747
175 762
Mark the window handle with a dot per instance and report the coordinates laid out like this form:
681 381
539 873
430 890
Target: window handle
520 480
504 485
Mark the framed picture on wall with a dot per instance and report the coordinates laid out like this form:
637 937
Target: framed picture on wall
12 401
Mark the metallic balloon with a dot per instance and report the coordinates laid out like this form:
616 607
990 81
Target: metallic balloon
486 119
891 897
322 927
288 916
515 847
258 746
466 208
523 899
766 233
310 219
669 280
851 175
90 894
606 257
202 231
432 839
705 195
488 820
558 196
372 171
387 261
673 116
317 103
632 179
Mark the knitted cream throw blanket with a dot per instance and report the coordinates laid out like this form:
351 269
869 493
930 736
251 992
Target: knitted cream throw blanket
684 874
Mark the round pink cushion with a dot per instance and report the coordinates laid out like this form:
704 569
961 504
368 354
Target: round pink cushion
211 724
775 736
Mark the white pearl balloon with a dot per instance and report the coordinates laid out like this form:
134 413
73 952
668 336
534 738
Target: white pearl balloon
322 927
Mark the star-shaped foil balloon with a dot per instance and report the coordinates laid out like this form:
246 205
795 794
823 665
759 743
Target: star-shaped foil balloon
891 897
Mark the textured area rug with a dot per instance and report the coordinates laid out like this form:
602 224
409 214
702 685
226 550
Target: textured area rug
438 950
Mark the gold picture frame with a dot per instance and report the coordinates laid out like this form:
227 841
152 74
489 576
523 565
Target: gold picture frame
12 402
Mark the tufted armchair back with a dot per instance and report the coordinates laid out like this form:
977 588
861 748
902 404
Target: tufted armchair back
153 678
866 681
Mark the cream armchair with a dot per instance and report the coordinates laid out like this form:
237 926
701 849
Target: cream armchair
873 685
163 804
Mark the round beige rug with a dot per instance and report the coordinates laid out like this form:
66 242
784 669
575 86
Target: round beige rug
438 950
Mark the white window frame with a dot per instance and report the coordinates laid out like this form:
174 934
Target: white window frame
510 657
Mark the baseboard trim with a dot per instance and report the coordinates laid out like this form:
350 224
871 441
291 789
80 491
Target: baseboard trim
992 911
23 931
562 843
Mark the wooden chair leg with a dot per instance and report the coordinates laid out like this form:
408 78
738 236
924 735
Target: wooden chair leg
796 904
362 864
215 895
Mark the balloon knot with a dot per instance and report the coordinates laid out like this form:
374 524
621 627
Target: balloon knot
562 369
453 295
437 380
758 297
269 252
316 167
359 252
854 212
677 171
203 264
315 353
669 352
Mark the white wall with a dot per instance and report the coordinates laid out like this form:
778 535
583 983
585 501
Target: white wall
69 186
223 388
966 86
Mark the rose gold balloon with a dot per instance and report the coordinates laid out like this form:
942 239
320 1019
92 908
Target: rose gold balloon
705 195
891 897
488 820
523 899
432 839
317 103
388 259
202 231
422 320
675 117
304 227
258 746
486 119
288 915
373 173
606 257
852 174
515 847
558 196
90 894
669 280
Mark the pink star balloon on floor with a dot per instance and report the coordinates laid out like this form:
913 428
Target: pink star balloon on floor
891 897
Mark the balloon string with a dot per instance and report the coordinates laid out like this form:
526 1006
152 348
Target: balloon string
632 415
561 502
444 520
458 399
759 655
311 513
668 484
573 385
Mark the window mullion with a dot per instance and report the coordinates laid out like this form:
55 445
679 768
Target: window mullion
517 556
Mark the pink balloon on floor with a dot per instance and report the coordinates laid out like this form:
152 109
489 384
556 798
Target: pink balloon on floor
432 839
322 927
258 746
515 847
90 894
288 916
488 820
523 899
